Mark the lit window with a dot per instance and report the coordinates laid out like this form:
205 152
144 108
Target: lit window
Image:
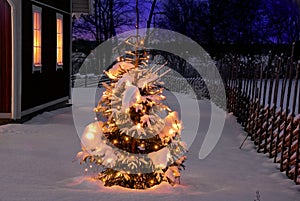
59 41
37 38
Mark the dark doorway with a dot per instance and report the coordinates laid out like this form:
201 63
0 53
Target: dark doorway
5 57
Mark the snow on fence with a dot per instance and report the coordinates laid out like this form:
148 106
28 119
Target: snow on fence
88 80
264 95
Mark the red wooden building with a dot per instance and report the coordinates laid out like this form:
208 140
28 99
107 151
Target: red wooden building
35 49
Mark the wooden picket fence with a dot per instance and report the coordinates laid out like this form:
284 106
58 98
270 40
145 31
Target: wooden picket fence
263 93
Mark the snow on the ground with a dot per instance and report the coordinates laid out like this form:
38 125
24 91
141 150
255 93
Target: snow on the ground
37 164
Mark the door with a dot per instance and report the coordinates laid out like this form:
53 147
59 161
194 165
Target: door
5 59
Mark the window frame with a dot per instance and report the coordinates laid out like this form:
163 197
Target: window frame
36 9
60 65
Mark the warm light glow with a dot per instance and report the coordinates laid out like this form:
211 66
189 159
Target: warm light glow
90 136
110 75
155 147
37 37
115 141
152 181
85 169
161 166
59 40
126 138
142 145
171 131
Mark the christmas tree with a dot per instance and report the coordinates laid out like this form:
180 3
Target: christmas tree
138 144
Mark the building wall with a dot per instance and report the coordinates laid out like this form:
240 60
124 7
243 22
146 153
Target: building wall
64 5
39 88
82 6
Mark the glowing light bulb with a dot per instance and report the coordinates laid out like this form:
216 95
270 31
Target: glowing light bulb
91 166
126 138
142 145
85 169
155 147
115 141
171 131
90 136
152 181
139 174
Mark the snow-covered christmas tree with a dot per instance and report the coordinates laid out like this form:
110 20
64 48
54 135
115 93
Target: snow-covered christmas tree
138 144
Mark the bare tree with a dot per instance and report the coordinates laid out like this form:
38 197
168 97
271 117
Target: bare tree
282 20
108 17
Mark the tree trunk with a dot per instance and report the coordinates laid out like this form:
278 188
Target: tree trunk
149 20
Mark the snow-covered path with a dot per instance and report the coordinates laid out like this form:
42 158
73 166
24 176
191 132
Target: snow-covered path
36 165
